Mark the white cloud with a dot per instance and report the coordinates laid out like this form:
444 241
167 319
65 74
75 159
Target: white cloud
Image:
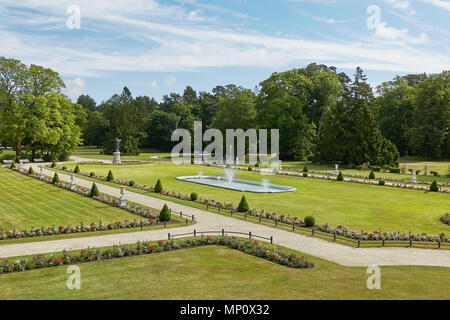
439 3
393 34
169 39
74 88
170 80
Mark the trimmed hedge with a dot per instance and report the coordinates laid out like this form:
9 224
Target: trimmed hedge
94 191
434 187
158 186
55 178
165 214
340 176
194 196
310 221
110 176
243 205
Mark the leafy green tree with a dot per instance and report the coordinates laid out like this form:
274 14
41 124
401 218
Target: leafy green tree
430 133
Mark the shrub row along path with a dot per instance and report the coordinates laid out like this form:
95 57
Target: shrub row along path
209 221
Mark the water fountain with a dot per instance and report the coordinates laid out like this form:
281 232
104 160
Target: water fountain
229 182
229 174
265 184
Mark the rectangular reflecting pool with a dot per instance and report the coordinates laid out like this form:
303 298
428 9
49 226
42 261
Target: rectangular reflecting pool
237 184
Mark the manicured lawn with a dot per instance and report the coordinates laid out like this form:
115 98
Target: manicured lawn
27 202
414 163
94 153
354 205
216 272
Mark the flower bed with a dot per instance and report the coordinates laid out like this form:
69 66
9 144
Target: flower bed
377 236
287 219
151 217
66 258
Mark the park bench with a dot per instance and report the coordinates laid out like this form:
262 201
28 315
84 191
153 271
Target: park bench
7 161
24 161
38 160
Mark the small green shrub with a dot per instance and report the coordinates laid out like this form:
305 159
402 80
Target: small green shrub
434 187
31 171
310 221
371 175
376 169
165 214
258 164
359 167
110 176
92 174
249 169
53 164
158 186
194 196
55 178
305 169
94 191
394 170
305 174
131 183
13 164
77 169
243 205
340 176
381 183
434 173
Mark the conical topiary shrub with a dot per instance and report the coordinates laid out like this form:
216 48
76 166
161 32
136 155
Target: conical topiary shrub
31 171
110 176
77 169
243 205
13 164
94 191
55 178
340 176
165 214
158 186
434 187
305 169
372 175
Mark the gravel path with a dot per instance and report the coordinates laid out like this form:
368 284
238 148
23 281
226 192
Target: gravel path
338 253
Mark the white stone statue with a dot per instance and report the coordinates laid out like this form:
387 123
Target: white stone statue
336 169
72 181
414 177
122 199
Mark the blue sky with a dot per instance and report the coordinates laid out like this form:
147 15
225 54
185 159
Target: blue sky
155 47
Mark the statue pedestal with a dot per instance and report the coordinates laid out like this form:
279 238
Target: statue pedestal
116 158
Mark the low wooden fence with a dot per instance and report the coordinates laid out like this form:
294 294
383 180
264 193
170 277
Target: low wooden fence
222 233
332 237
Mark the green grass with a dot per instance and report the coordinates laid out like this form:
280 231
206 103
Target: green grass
415 163
195 274
94 153
361 207
27 202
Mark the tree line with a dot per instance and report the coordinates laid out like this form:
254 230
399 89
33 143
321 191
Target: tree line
323 115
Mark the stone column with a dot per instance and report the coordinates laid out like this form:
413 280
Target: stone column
336 169
116 157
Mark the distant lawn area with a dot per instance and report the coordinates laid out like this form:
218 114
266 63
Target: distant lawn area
27 202
216 272
95 153
414 163
360 207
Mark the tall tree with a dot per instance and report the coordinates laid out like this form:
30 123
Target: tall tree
429 135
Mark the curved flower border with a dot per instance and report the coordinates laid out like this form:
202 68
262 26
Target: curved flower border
251 247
